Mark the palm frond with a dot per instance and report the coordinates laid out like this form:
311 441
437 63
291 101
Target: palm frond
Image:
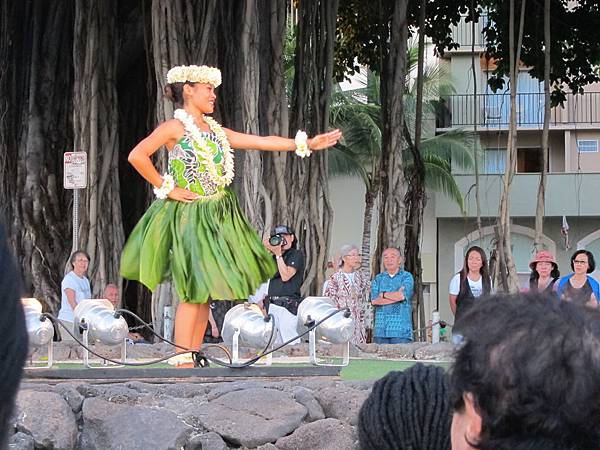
342 161
438 177
456 146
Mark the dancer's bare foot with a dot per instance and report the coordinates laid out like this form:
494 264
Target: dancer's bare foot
182 361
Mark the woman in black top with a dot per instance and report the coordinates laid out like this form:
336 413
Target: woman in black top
471 282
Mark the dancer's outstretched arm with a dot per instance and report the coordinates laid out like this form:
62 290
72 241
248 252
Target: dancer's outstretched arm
279 144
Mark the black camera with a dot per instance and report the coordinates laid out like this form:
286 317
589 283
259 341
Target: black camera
277 240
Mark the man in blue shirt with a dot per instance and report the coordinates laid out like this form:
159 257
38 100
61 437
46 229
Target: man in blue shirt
391 294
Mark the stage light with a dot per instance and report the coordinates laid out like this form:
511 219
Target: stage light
96 321
337 329
247 326
40 330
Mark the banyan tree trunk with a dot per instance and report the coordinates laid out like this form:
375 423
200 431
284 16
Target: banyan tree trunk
306 179
95 126
392 212
35 130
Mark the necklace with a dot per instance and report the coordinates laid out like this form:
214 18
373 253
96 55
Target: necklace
200 145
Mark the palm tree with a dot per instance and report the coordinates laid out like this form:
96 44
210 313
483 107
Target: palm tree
358 113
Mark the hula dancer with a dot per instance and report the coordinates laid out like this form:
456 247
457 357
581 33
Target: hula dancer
196 233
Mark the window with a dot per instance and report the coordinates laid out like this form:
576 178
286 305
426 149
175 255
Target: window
494 160
587 145
529 160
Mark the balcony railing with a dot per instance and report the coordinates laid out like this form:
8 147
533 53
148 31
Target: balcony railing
493 110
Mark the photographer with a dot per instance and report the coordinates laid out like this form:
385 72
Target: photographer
284 287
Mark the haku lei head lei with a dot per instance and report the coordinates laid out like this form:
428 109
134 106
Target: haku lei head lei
194 74
211 75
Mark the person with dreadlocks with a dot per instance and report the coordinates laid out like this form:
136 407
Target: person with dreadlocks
195 232
13 342
407 410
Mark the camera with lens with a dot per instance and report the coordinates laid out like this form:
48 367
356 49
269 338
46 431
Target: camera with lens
277 240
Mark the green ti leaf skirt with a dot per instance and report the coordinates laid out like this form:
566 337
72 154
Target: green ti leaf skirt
207 248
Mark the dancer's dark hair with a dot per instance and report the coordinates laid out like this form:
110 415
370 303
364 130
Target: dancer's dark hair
174 92
13 336
407 410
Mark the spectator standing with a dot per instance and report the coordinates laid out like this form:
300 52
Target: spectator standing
348 288
74 287
391 294
471 282
283 290
284 287
544 273
579 287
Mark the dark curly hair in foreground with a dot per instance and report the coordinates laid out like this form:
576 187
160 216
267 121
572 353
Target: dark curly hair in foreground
13 336
407 410
532 366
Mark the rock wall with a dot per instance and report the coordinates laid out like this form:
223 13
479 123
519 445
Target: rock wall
295 414
285 415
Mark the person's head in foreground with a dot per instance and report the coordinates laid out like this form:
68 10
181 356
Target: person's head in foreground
527 376
407 410
13 336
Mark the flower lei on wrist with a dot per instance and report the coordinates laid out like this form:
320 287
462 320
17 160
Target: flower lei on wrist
165 188
200 145
301 141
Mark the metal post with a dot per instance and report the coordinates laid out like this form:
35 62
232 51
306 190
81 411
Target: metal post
75 219
435 329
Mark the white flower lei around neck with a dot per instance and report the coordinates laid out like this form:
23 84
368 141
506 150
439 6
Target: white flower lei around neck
201 146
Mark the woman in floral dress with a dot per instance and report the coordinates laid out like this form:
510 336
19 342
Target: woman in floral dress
348 288
195 233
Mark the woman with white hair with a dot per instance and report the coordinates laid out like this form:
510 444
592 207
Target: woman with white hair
348 288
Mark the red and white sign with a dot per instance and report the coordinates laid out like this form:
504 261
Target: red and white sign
75 170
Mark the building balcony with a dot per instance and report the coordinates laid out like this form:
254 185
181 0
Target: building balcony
492 111
569 194
462 34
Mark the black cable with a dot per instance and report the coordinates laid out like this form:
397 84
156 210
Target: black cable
197 355
263 353
149 327
56 321
253 360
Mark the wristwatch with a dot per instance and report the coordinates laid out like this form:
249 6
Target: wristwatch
383 295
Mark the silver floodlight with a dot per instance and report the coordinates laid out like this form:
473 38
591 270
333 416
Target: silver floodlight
97 322
247 326
337 329
39 330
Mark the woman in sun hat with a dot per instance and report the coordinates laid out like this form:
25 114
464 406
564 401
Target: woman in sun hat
195 232
544 273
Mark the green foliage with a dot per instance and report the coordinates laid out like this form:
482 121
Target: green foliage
575 53
358 113
363 30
